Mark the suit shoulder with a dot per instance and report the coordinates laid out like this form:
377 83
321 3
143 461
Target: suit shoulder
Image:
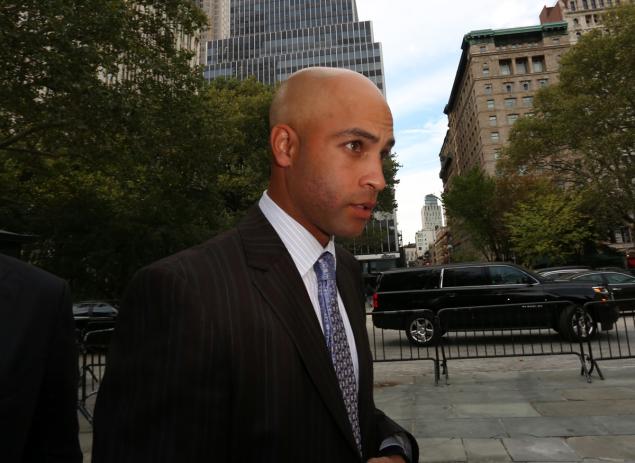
34 276
208 256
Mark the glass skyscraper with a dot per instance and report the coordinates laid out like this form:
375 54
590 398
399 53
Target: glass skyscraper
271 39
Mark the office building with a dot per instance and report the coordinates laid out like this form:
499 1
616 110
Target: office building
271 39
431 216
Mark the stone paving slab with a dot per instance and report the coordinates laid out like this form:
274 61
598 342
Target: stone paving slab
539 450
495 410
596 391
435 450
607 448
474 428
553 427
485 450
616 425
586 408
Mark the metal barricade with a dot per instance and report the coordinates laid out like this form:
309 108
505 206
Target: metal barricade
93 348
528 329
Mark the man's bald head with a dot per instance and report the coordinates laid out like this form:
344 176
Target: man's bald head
310 91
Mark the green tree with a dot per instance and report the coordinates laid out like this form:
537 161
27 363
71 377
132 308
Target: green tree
549 226
583 130
113 173
472 207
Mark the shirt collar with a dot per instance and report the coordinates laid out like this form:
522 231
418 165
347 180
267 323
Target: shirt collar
304 249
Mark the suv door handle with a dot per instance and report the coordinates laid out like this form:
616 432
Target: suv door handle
451 294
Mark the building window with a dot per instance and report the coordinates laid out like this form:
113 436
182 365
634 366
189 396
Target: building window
510 102
556 40
543 82
511 118
585 4
482 48
505 67
601 3
486 70
488 89
526 84
490 104
572 6
528 100
576 22
497 154
587 18
492 121
494 137
538 63
509 87
593 4
521 65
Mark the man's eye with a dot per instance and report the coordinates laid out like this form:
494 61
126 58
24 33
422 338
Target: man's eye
354 146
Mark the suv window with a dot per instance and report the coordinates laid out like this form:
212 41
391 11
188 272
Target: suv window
404 281
506 275
464 276
590 278
619 278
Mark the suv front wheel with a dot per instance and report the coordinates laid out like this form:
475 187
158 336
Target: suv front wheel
577 324
421 330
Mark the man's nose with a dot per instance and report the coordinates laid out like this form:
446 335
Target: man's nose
375 176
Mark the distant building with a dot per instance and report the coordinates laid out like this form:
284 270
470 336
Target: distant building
499 71
431 216
270 39
217 12
424 239
581 15
410 254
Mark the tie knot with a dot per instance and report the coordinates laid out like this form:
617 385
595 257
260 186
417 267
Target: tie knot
325 267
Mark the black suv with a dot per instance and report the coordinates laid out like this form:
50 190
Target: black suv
486 296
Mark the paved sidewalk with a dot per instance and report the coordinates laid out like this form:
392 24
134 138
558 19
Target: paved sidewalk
506 410
509 415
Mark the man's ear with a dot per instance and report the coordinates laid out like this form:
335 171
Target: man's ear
283 140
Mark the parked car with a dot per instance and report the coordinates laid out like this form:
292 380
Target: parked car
94 315
621 286
495 295
556 273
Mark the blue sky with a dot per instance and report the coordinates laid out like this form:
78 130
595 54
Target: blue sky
421 42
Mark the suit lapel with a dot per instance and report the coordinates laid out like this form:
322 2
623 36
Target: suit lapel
277 279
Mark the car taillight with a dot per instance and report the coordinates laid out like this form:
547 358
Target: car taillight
375 301
602 292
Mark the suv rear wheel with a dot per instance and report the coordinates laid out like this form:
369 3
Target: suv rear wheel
421 330
577 324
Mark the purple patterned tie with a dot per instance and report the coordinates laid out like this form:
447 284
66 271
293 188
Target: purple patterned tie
336 340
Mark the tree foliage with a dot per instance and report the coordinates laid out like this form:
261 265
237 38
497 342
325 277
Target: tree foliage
113 150
472 204
549 225
583 131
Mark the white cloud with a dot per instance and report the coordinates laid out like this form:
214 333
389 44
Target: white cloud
415 144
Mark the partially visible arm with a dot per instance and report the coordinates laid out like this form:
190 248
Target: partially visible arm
53 436
397 443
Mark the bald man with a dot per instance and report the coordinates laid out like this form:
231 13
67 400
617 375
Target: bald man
252 347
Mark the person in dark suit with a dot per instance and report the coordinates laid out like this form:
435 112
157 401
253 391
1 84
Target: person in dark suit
38 367
252 347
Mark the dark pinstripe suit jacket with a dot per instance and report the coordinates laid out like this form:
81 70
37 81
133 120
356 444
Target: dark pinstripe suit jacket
218 356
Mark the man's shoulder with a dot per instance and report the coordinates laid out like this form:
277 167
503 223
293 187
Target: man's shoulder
35 276
210 254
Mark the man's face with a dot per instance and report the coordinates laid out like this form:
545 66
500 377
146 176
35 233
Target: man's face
337 174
